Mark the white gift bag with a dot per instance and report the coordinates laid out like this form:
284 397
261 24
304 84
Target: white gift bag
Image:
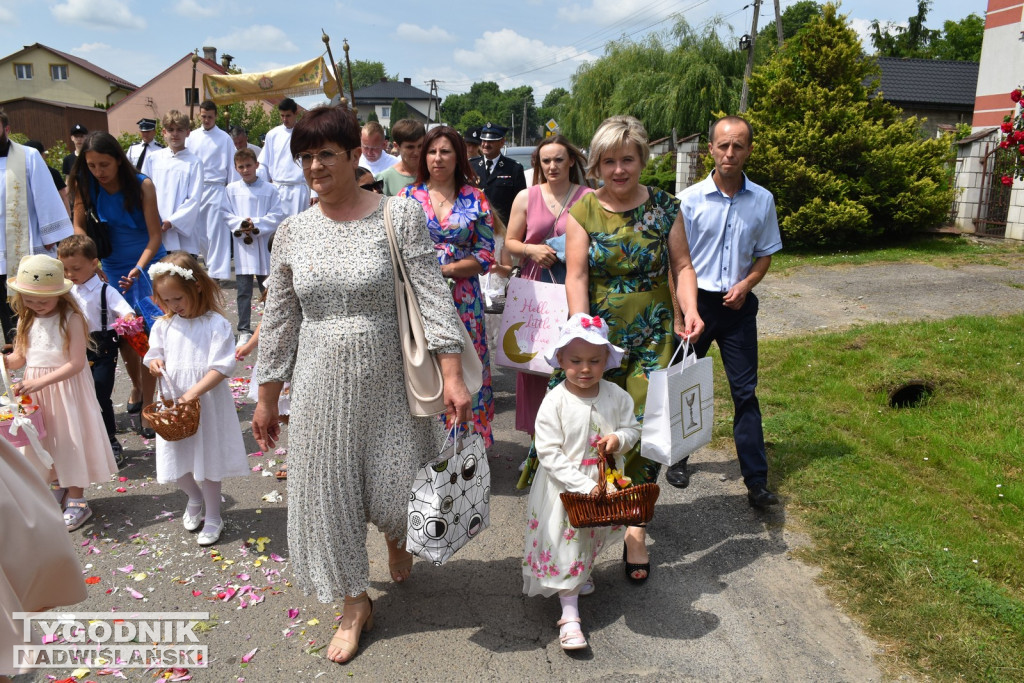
450 501
679 414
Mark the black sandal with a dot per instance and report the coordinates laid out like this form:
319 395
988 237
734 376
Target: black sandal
631 567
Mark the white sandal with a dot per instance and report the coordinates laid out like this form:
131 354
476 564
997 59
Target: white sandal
571 639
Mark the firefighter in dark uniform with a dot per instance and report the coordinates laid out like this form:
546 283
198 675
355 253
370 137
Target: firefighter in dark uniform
501 178
137 152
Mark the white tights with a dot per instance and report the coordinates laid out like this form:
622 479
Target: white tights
208 495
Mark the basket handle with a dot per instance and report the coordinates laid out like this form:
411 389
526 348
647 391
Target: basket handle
167 388
9 388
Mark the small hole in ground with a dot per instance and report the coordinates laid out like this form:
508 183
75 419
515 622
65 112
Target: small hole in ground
910 394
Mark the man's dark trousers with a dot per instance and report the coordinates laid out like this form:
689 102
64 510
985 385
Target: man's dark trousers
736 335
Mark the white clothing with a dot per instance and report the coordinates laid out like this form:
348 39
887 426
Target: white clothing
191 347
277 164
216 151
179 189
48 220
261 203
556 555
135 151
87 296
256 149
385 162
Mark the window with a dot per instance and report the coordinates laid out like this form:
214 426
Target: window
23 72
191 96
59 72
385 112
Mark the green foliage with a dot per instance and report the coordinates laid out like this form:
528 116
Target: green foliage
471 119
495 105
20 138
794 18
372 116
364 73
126 140
399 110
252 116
660 172
554 105
844 168
668 80
958 40
55 155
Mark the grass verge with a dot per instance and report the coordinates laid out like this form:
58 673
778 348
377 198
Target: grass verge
916 512
940 250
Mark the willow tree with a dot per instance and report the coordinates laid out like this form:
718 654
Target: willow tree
845 166
669 80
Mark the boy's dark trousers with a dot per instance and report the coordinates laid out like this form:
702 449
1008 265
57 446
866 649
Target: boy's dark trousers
103 364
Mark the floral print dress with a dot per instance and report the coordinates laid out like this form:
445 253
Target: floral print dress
629 288
467 232
556 555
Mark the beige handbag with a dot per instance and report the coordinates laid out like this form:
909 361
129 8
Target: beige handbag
424 384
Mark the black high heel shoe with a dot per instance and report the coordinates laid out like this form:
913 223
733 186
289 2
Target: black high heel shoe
631 567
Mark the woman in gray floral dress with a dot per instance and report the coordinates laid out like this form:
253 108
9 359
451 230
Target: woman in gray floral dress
331 328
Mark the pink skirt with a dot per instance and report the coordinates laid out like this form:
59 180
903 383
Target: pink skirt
75 436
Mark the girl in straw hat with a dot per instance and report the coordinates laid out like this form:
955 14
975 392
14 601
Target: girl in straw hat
51 340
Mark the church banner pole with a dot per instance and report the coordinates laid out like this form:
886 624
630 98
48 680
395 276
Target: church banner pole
192 93
334 66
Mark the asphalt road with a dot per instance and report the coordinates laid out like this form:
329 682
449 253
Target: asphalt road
726 599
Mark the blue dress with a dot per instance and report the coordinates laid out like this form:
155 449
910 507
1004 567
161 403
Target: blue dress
129 237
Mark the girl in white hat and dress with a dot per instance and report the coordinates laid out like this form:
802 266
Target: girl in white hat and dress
580 421
51 341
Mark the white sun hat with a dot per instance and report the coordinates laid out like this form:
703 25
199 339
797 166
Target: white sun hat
589 328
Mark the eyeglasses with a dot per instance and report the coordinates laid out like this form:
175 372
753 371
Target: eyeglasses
326 157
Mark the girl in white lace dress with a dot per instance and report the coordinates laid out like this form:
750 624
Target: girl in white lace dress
580 422
193 347
51 340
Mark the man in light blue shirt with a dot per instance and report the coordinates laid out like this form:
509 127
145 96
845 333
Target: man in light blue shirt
732 230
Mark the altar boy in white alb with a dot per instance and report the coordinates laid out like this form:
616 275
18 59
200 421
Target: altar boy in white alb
253 210
215 150
177 174
277 163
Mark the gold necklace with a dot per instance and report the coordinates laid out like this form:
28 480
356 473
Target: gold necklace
444 197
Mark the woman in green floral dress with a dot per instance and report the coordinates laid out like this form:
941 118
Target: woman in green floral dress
626 254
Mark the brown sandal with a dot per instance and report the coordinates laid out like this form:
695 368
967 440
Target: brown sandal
343 645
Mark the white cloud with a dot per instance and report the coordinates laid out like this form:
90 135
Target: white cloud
194 10
86 48
263 37
7 17
417 34
104 14
509 56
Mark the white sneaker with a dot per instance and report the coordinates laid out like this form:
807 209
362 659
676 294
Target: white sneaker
243 338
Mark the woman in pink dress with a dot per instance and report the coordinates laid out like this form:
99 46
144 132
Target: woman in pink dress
539 213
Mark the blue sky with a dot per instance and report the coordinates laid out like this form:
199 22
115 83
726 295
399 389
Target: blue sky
457 42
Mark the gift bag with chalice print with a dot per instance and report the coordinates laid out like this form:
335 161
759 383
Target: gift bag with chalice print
450 500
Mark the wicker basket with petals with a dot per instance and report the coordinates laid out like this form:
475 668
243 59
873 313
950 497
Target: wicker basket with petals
171 419
630 506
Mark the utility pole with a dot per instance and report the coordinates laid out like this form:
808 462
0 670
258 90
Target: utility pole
522 138
778 22
433 98
750 58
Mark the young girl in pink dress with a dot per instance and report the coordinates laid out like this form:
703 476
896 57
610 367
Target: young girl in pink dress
51 340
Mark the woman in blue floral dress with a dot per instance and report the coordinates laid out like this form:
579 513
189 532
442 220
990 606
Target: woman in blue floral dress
459 220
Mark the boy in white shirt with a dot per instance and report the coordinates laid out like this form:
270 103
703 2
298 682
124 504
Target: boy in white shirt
177 174
253 210
101 305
